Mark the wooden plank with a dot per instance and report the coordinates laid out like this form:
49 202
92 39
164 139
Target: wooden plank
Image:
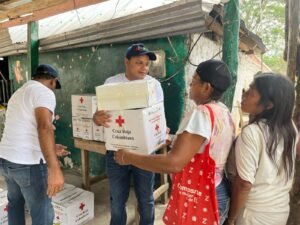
45 12
85 169
28 8
163 189
93 146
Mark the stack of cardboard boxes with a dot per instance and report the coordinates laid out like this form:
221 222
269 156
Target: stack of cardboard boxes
138 117
83 108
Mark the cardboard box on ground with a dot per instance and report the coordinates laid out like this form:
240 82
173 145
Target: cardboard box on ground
73 206
3 207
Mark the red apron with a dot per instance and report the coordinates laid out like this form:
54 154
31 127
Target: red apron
193 198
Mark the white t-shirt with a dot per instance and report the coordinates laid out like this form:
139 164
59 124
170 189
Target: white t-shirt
121 78
198 122
20 143
270 191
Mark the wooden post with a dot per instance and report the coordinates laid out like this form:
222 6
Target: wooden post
293 33
230 45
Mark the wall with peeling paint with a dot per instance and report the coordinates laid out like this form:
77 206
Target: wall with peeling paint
83 69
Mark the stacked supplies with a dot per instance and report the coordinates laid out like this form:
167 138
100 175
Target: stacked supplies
138 118
83 108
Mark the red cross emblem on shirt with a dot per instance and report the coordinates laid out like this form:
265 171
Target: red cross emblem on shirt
82 205
81 100
120 121
157 127
5 209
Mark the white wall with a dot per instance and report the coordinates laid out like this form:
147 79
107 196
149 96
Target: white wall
206 49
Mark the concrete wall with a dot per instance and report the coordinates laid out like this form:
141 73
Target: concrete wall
84 68
206 49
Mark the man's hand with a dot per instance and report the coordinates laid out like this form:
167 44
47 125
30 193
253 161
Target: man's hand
168 137
61 150
120 156
55 181
102 118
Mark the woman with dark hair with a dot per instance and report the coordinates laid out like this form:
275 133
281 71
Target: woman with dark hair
199 153
265 154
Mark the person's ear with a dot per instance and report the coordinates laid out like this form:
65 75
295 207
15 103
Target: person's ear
53 82
270 105
209 87
126 61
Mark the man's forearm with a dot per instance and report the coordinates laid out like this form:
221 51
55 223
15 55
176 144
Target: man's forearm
47 143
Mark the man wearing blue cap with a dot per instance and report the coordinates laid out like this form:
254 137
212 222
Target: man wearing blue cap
28 159
137 61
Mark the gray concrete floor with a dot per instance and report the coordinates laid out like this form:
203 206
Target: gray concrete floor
102 211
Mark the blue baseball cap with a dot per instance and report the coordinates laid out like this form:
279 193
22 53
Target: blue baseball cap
48 70
138 50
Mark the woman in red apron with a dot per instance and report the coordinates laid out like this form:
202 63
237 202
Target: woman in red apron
199 153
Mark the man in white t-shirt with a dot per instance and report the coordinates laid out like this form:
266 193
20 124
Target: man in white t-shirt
28 159
137 63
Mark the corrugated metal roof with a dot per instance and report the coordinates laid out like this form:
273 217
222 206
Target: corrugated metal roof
94 14
176 18
86 16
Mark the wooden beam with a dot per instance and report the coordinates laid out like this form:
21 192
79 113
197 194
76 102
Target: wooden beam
27 8
293 34
41 13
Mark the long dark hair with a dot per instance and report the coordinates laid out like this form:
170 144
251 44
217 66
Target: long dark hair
279 91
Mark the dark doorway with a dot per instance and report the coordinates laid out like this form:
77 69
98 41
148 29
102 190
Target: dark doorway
6 87
4 67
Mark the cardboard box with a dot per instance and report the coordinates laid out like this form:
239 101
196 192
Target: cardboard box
82 128
76 127
84 105
98 133
67 188
143 130
74 207
86 129
3 207
129 95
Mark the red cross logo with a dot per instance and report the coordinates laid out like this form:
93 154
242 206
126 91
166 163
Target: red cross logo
5 209
120 121
77 128
82 205
81 100
157 127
